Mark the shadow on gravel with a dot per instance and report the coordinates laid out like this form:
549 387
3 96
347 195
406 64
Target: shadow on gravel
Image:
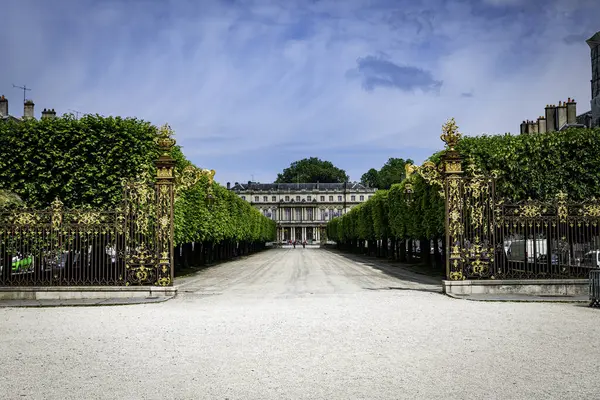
438 291
401 271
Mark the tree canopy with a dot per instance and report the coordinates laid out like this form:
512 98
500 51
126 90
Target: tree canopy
311 170
392 172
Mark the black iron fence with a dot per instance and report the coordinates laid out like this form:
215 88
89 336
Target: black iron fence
491 239
65 247
61 247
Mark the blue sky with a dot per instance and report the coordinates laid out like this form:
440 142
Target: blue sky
251 86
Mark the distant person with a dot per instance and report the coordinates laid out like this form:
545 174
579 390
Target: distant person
304 244
294 244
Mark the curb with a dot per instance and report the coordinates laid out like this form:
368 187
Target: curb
556 299
83 302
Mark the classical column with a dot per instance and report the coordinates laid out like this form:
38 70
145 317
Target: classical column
454 195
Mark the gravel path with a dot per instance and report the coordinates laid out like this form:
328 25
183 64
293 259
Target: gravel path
302 324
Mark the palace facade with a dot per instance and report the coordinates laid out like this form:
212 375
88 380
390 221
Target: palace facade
302 210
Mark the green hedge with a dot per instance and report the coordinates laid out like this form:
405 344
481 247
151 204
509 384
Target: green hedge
79 161
83 161
227 218
534 166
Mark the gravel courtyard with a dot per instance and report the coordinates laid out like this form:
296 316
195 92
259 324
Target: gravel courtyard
302 324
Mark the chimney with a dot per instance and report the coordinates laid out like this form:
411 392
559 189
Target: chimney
228 185
3 106
28 109
541 123
523 127
48 114
550 118
531 127
237 183
571 111
561 115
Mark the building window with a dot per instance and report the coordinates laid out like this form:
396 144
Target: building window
243 197
362 198
309 214
322 198
288 214
256 198
370 196
298 214
265 198
353 198
330 198
287 198
297 198
274 198
308 198
339 198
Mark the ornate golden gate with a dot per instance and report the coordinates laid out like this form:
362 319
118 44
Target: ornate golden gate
130 245
489 238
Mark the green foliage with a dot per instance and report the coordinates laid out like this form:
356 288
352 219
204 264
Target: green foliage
528 166
80 161
540 165
227 218
83 162
310 170
370 178
393 171
380 214
9 200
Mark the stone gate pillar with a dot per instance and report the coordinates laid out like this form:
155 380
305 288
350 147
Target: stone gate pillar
454 199
165 180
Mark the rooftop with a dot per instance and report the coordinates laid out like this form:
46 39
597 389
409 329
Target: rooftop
300 186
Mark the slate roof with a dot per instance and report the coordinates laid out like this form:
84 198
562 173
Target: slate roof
271 187
594 40
585 118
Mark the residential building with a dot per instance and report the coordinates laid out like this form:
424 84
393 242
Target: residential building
563 116
302 210
594 43
28 111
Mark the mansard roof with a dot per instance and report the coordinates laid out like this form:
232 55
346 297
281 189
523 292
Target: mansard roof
271 187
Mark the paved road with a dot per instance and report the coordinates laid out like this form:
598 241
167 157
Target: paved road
302 324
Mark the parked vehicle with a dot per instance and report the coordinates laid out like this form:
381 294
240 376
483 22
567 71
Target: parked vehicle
591 259
527 250
21 264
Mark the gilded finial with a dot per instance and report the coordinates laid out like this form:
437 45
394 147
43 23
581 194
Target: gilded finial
57 203
450 134
165 139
